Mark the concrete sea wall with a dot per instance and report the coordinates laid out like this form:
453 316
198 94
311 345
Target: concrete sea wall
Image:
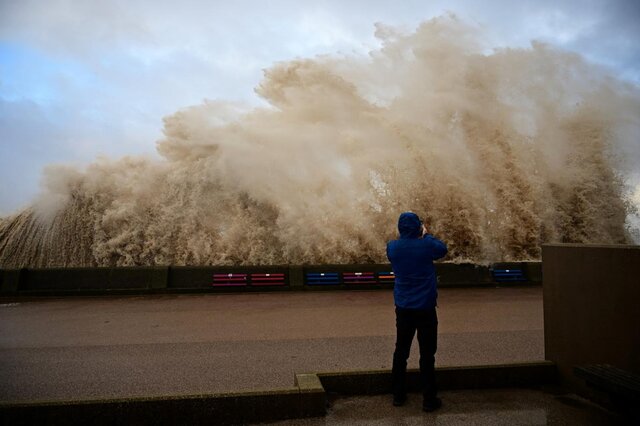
591 314
125 280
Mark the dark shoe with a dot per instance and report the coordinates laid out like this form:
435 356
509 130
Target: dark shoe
398 401
431 404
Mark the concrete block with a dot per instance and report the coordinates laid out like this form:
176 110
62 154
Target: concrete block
370 382
591 314
296 276
484 276
270 405
473 377
190 277
533 271
219 409
313 398
10 280
308 382
450 274
137 277
497 376
65 279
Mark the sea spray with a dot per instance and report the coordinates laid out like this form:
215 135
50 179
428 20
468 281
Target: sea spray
499 152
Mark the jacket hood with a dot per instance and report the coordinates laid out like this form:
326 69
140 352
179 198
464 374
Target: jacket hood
409 225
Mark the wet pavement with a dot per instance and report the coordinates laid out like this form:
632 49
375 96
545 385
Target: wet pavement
467 407
188 344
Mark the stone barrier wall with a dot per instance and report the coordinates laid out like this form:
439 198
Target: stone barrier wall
307 398
591 314
158 279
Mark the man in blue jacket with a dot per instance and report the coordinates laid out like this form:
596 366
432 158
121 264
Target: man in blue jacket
415 295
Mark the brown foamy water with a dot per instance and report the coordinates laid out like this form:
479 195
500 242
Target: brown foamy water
498 152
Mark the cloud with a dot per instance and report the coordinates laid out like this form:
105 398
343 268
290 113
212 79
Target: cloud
73 28
256 33
30 140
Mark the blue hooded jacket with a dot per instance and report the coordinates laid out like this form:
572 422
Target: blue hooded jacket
412 259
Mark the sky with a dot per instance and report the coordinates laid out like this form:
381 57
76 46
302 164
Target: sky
86 78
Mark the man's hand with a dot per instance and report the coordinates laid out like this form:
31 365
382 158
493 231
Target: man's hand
424 230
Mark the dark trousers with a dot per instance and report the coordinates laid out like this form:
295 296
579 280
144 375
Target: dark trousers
426 323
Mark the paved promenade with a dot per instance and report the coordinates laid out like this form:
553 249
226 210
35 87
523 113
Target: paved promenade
187 344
